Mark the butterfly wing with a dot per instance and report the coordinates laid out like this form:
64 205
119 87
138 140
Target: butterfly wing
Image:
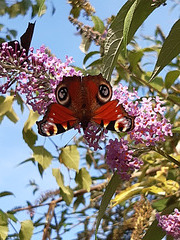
57 119
113 116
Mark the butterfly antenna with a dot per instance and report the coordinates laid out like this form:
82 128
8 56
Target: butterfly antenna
70 140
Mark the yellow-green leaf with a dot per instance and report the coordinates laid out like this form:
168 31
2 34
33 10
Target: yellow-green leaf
65 191
127 194
3 225
42 156
32 118
70 157
155 190
83 179
6 105
26 230
171 77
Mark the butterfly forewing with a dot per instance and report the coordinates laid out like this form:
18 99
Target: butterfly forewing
57 119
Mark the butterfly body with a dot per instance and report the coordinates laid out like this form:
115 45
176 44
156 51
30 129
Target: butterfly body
84 100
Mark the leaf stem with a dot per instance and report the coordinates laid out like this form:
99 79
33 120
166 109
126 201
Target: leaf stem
160 151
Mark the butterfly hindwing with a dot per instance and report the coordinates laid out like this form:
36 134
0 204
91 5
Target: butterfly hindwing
57 119
112 116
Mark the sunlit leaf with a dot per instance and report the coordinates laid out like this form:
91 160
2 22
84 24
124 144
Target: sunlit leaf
26 230
110 190
98 24
70 157
3 225
127 193
65 191
42 156
127 22
83 179
32 118
6 105
12 115
42 7
169 50
29 137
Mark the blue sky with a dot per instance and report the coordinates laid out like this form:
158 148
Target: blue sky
59 35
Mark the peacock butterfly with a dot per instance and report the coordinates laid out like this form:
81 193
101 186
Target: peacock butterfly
83 100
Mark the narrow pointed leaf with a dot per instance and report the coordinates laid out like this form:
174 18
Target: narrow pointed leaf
114 39
127 23
110 190
90 54
5 193
169 50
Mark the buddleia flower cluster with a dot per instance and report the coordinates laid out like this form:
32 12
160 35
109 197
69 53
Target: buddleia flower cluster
151 127
35 75
170 223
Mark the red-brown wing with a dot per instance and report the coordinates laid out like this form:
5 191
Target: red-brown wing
57 119
113 116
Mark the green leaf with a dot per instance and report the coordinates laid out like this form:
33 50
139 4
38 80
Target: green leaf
26 230
65 191
154 232
175 98
85 44
12 115
3 225
94 63
42 156
90 54
42 7
110 190
127 23
157 83
114 39
160 204
176 130
171 77
98 24
70 157
6 105
32 118
83 179
29 137
5 193
169 50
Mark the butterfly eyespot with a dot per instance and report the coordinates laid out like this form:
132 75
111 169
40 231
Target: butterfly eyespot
62 95
123 124
104 93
